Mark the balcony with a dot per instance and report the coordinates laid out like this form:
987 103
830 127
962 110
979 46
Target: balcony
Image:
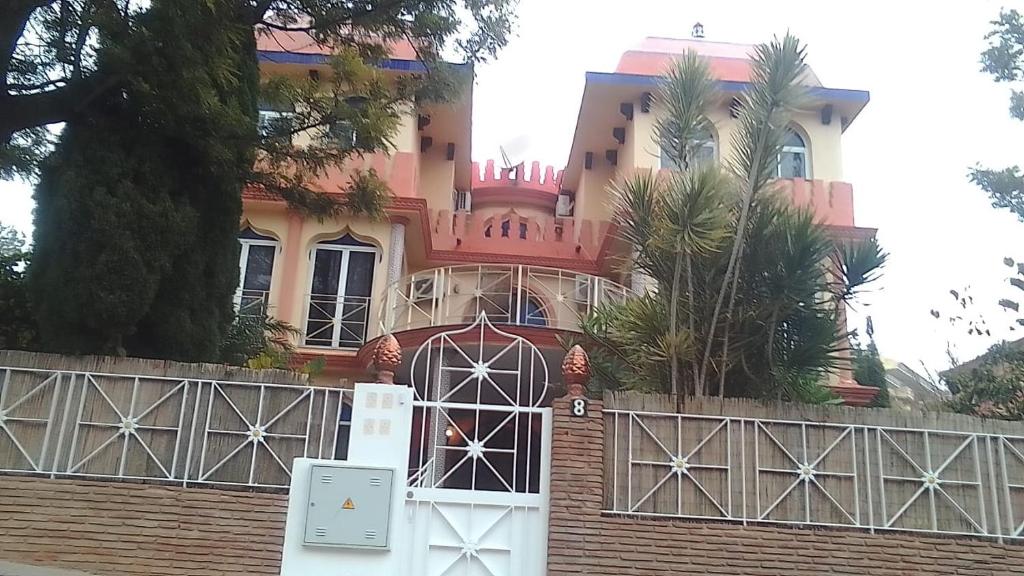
831 202
515 295
252 302
335 321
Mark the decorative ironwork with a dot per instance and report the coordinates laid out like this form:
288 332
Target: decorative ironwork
182 431
808 473
336 321
509 294
479 414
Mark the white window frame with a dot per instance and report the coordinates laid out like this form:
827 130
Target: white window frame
243 264
342 285
804 150
711 142
462 201
267 116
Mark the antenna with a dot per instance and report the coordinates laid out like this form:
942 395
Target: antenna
513 154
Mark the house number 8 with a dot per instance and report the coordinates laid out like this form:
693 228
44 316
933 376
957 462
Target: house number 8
579 407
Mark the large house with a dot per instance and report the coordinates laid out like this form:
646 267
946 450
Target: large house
531 246
464 457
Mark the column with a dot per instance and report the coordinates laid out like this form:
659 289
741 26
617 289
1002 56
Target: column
396 257
290 289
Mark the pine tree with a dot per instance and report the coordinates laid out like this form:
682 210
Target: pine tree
138 207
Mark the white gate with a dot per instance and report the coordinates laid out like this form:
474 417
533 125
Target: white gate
479 462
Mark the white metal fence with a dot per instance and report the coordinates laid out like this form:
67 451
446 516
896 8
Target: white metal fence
754 470
507 294
182 431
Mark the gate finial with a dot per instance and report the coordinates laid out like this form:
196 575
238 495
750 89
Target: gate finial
387 355
576 370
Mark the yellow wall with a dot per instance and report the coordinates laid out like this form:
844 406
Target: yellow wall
823 142
437 177
407 137
274 221
592 194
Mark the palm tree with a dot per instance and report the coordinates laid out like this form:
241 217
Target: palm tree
748 289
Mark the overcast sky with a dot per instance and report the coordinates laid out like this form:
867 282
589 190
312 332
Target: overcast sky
932 115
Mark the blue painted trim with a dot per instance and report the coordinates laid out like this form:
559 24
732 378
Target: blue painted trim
620 79
323 59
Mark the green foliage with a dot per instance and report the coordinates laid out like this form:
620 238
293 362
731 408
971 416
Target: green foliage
992 389
138 207
56 66
17 323
868 370
1004 60
779 335
262 342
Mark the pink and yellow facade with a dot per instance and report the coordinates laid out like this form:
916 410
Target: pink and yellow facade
532 247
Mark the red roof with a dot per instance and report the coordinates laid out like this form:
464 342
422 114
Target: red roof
728 61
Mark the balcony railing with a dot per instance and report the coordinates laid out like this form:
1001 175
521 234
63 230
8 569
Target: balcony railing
336 321
252 302
509 294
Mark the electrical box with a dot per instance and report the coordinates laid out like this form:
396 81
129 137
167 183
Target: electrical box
349 506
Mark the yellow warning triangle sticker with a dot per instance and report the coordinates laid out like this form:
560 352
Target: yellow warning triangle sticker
348 505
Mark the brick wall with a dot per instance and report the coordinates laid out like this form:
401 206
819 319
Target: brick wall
109 528
583 541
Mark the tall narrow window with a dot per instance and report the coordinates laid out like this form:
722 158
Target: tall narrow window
256 269
793 158
339 294
704 155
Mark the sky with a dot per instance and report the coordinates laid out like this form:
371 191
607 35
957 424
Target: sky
932 115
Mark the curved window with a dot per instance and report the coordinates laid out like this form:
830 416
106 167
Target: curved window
531 313
704 155
339 292
793 158
256 268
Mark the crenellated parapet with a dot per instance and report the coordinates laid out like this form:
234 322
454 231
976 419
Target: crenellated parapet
518 179
511 234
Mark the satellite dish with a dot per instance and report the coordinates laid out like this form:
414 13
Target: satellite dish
513 154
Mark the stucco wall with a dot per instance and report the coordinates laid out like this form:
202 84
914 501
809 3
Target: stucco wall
293 264
823 141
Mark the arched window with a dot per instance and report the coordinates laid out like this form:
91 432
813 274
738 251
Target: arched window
793 158
707 153
256 269
531 313
339 292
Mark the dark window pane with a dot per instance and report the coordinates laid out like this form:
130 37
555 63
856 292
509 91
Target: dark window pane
258 268
360 274
326 272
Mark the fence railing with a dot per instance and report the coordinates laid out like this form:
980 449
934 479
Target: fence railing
183 431
508 294
753 470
